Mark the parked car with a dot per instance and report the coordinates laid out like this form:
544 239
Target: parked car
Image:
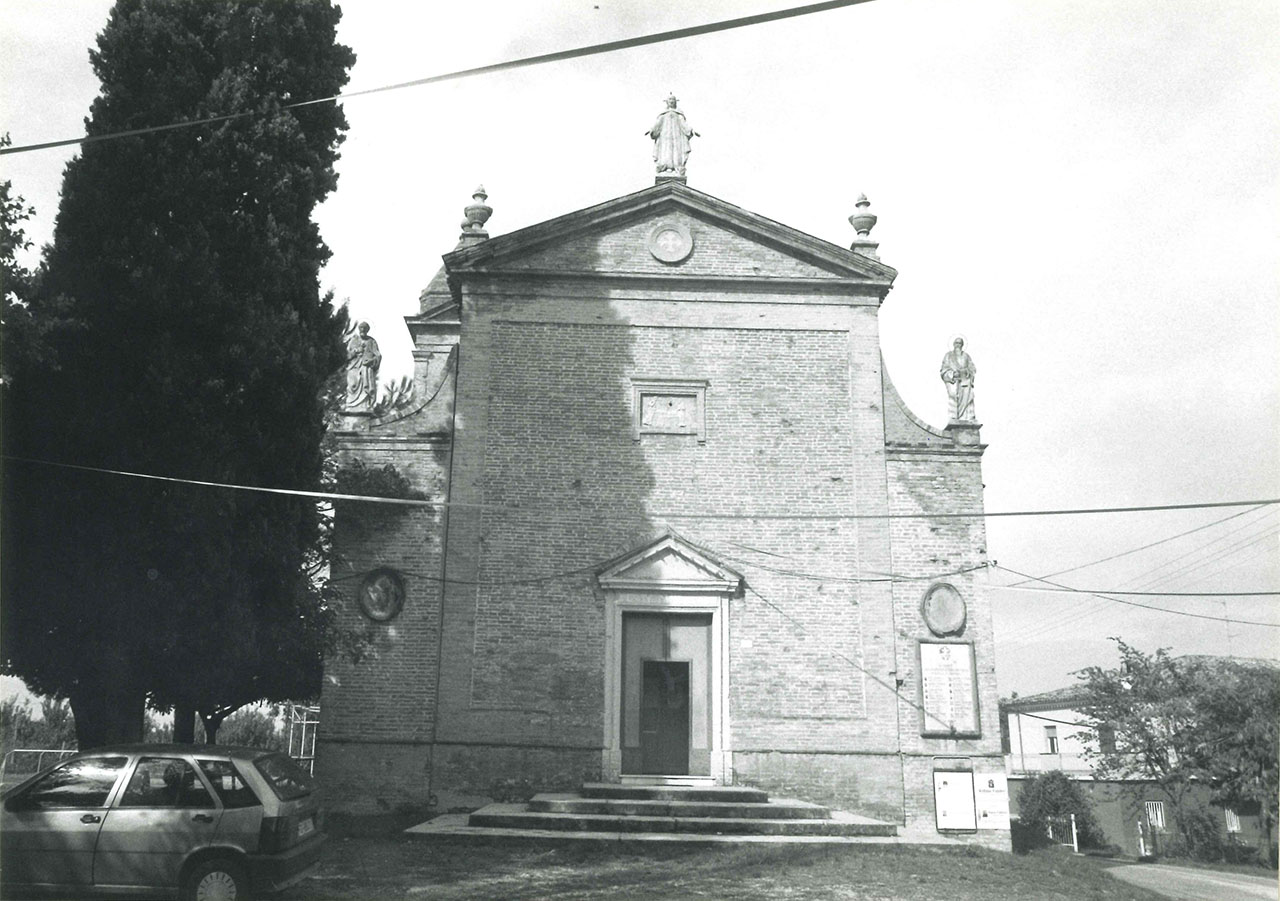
196 821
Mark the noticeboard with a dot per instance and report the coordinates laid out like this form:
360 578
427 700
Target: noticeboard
948 690
953 801
991 791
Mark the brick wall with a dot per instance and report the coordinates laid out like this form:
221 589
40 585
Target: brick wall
548 482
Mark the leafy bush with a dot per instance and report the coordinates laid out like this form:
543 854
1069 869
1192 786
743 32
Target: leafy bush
1049 796
385 481
1198 836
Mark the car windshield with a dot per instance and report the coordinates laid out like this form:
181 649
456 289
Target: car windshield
287 779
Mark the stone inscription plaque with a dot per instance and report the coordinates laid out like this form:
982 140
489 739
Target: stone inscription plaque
948 689
669 413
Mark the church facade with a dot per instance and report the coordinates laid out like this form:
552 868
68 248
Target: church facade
682 530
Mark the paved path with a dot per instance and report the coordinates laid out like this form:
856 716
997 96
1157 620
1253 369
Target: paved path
1187 884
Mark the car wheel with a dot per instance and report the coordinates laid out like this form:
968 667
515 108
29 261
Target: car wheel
216 879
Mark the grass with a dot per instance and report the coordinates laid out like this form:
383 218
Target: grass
370 860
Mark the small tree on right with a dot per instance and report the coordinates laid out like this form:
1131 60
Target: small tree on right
1186 721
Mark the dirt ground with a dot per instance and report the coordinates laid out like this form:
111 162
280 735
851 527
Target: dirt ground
388 864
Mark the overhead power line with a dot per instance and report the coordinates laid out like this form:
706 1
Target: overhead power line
972 514
797 517
1149 594
537 60
1118 600
1208 525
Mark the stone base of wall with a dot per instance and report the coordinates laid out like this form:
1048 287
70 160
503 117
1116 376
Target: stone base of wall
475 775
365 777
919 808
868 784
884 786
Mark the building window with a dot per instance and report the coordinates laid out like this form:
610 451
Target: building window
1107 739
1051 739
1155 815
1233 820
669 407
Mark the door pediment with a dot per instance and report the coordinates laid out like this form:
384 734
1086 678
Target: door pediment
669 564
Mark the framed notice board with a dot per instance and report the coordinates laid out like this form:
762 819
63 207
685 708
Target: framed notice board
955 808
948 690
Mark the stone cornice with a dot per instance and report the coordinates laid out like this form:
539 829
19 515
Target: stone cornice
851 291
351 440
910 450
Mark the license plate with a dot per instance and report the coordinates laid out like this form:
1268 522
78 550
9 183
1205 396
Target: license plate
306 827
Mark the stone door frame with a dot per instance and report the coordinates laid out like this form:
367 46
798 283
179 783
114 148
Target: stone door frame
670 577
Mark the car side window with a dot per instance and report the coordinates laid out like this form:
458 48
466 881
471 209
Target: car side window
228 783
79 783
165 782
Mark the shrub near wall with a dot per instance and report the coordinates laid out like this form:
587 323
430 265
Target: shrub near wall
1050 796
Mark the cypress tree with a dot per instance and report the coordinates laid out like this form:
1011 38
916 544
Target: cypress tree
189 261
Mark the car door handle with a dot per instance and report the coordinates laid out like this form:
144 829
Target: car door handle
91 818
202 818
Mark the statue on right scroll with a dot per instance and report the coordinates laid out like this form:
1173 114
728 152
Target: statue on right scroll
958 373
671 134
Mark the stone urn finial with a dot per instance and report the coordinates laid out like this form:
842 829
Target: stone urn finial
477 213
863 220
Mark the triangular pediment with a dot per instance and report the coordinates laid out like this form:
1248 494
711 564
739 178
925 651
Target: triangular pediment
670 563
620 238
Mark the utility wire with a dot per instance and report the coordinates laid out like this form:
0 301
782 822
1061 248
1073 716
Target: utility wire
1213 557
292 492
1071 569
1224 566
821 577
976 514
860 668
1047 719
410 502
1147 594
1221 619
1094 608
539 59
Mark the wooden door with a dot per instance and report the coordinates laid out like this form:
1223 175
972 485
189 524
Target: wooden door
664 717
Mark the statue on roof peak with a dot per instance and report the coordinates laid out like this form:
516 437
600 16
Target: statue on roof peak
671 134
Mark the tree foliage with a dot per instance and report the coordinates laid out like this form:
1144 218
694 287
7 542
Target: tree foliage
1051 796
1189 720
25 338
188 262
20 728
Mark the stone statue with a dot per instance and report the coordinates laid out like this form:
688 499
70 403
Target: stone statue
363 360
671 134
958 373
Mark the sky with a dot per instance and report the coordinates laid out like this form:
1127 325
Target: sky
1086 191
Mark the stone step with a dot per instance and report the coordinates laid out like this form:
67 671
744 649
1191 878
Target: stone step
517 816
777 809
723 793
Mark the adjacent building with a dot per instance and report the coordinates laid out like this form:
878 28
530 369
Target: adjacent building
1049 731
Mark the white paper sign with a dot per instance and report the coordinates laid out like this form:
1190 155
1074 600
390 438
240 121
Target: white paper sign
953 800
992 793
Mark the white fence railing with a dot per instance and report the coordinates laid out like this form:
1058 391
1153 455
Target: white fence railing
1062 831
26 761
